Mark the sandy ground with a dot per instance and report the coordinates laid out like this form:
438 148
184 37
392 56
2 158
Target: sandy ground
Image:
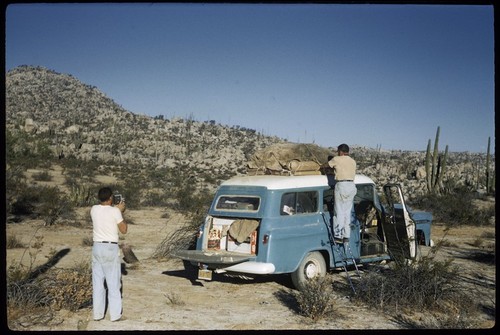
224 303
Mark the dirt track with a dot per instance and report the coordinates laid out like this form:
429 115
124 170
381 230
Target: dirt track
150 286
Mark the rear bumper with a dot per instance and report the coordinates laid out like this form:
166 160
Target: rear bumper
256 268
212 257
224 261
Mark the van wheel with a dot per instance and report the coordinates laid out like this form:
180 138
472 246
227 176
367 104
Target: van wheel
312 265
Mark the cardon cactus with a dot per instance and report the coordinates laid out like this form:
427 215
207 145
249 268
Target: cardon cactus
489 183
435 165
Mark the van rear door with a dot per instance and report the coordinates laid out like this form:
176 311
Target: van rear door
399 229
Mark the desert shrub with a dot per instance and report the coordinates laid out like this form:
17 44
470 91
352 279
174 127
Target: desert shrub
82 193
23 203
487 234
39 290
132 188
425 285
15 183
87 241
455 208
181 238
79 169
27 305
159 177
184 237
174 299
455 319
190 201
41 201
53 205
315 300
155 199
16 272
419 284
69 288
42 176
13 242
31 299
26 150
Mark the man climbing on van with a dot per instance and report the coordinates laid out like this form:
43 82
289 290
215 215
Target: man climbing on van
344 169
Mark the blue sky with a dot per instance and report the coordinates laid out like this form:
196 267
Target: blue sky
372 75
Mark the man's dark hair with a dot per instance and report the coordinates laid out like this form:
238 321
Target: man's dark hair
343 147
104 194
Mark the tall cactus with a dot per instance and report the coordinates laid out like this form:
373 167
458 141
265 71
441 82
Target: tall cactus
435 165
488 183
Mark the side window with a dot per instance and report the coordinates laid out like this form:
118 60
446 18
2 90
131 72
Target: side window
288 203
299 202
328 201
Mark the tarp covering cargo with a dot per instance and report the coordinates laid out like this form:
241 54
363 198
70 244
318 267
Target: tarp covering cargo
288 159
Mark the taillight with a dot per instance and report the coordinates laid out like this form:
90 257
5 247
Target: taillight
265 239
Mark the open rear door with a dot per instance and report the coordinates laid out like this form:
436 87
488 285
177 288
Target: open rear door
399 228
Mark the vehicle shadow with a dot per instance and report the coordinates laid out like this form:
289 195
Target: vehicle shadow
190 272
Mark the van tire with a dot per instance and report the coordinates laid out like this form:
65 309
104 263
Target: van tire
311 266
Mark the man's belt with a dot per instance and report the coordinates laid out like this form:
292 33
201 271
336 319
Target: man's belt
340 181
106 242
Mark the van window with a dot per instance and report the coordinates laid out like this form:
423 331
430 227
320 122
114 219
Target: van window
299 202
238 203
328 201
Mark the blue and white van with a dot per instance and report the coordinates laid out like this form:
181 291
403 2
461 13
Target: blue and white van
269 224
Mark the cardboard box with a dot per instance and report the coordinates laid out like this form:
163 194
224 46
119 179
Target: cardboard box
249 247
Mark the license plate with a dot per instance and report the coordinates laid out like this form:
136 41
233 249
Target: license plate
205 274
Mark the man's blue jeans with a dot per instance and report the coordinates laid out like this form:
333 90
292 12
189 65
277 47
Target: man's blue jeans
106 265
344 196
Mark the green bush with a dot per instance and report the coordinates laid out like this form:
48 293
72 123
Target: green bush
27 151
49 203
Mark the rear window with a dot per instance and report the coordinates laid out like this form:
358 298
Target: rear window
238 203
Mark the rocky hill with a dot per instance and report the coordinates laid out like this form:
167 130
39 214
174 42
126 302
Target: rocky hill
80 121
77 120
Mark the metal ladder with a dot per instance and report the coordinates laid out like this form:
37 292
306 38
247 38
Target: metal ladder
341 249
344 249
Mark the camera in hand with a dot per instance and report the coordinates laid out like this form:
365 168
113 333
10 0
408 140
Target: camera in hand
117 198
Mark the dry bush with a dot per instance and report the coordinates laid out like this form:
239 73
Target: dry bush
87 241
13 242
456 208
488 235
27 303
425 285
32 297
42 176
182 238
315 300
174 299
478 242
69 288
451 319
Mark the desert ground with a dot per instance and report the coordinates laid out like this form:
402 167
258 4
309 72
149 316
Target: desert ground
162 295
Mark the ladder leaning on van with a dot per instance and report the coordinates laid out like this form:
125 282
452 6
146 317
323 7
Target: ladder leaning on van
345 252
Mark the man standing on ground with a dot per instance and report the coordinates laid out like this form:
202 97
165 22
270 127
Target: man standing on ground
107 221
345 190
